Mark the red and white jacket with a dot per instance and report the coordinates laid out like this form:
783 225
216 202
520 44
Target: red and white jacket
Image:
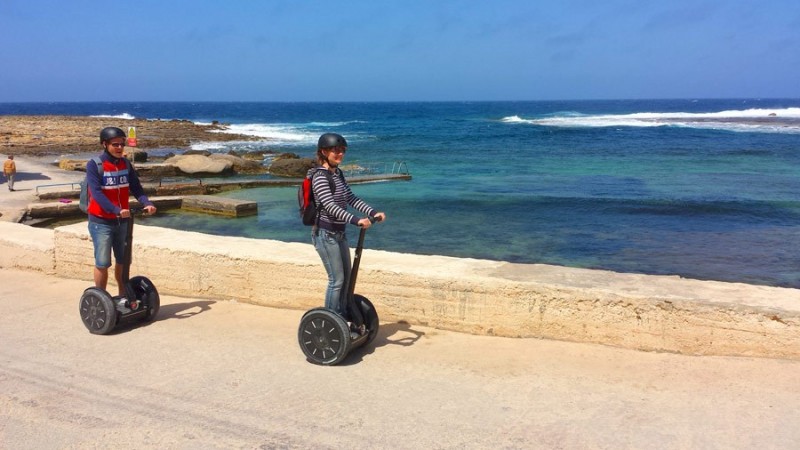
110 191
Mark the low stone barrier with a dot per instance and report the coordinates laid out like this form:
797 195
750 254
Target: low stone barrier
655 313
26 248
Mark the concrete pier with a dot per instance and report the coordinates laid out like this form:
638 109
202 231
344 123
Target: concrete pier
220 206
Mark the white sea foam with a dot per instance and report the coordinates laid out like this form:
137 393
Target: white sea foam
515 119
275 133
125 116
785 120
215 147
333 124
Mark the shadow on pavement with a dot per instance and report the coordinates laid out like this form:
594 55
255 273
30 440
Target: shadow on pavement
183 310
27 176
384 337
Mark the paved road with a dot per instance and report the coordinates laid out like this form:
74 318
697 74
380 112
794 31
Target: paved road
31 172
219 374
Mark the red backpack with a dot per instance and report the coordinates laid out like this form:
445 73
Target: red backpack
309 212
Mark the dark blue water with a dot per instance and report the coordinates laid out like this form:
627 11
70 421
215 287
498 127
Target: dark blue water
706 189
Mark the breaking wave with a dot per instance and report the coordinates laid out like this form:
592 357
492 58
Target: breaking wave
785 120
125 116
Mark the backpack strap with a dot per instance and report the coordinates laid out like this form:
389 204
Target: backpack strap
330 183
99 163
328 176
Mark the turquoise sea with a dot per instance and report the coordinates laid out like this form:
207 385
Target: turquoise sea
706 189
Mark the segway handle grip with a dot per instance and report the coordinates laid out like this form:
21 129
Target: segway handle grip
374 219
139 210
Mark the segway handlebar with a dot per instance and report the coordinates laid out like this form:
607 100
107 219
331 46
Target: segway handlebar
139 210
374 219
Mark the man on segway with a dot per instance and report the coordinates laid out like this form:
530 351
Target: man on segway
111 180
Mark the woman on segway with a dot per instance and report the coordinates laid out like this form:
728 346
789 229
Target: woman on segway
328 234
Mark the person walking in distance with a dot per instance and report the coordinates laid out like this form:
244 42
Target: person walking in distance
10 171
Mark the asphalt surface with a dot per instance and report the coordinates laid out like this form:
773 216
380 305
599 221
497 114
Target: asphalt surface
213 374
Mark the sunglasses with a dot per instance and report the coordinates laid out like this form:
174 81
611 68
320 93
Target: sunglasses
116 145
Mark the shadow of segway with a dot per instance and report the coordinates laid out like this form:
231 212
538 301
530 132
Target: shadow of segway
390 329
383 338
183 310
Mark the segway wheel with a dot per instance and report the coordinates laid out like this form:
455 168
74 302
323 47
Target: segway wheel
145 291
370 316
324 337
97 311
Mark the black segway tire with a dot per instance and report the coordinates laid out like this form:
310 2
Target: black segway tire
370 316
324 337
145 291
98 311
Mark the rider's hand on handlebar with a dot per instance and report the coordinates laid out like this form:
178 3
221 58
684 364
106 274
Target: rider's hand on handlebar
368 221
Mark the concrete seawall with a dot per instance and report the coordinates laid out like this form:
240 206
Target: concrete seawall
654 313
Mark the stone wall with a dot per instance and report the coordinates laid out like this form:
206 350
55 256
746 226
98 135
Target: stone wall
654 313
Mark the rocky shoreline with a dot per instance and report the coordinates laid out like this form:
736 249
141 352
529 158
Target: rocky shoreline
41 136
53 135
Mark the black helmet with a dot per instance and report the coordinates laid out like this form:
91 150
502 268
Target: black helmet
329 140
109 133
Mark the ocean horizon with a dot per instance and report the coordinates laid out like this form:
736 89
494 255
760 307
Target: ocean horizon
699 188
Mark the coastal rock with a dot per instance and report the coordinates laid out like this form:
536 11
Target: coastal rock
280 156
72 164
200 165
257 155
54 135
156 171
240 165
197 152
291 167
136 154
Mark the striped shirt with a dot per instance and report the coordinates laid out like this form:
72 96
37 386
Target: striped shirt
333 214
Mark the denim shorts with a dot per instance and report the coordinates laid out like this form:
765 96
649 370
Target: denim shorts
105 238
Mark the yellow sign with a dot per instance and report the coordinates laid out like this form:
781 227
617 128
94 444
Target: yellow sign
131 136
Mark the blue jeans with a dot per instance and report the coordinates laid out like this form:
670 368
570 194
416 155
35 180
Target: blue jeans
335 254
105 238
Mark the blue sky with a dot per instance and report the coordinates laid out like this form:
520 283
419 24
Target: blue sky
406 50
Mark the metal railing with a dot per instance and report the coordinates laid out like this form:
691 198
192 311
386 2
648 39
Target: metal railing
396 168
175 180
72 186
